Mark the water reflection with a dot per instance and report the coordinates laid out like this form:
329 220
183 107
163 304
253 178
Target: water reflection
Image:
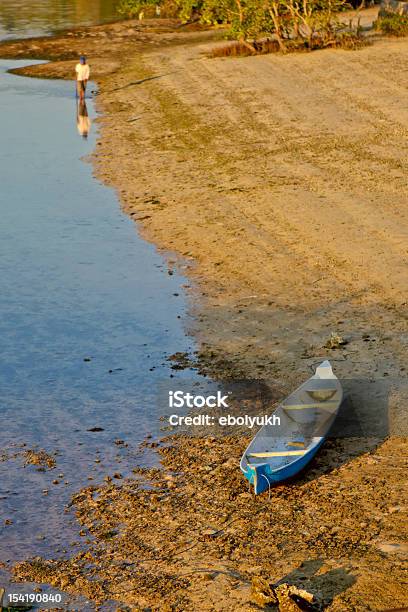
83 120
19 18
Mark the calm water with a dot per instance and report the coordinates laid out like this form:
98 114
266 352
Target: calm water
22 18
87 309
87 317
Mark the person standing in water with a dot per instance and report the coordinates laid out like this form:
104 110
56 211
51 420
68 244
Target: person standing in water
82 77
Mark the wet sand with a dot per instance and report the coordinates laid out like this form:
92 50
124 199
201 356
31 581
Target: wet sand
199 540
278 183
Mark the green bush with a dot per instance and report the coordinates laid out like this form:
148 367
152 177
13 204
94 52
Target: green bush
307 23
392 24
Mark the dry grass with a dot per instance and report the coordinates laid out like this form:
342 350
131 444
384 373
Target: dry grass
236 49
343 40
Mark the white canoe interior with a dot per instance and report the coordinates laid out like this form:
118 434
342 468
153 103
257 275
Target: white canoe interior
305 418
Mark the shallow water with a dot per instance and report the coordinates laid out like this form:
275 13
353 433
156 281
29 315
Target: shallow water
22 18
87 317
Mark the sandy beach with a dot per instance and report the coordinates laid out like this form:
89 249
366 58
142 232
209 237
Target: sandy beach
277 184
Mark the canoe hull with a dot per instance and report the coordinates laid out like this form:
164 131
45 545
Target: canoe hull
305 419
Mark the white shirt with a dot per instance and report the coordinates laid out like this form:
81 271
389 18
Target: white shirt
82 71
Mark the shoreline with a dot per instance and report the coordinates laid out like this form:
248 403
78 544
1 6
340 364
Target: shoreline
217 161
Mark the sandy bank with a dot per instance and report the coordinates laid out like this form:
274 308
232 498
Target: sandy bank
280 181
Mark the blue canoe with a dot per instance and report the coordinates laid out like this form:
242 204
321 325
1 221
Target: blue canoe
278 452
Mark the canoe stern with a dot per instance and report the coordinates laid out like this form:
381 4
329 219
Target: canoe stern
263 477
259 476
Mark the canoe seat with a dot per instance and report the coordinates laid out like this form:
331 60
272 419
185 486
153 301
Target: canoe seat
321 389
332 404
289 453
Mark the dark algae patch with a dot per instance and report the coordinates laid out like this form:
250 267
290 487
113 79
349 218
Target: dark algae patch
40 458
207 362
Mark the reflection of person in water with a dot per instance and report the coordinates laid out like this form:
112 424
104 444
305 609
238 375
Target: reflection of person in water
83 121
82 76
